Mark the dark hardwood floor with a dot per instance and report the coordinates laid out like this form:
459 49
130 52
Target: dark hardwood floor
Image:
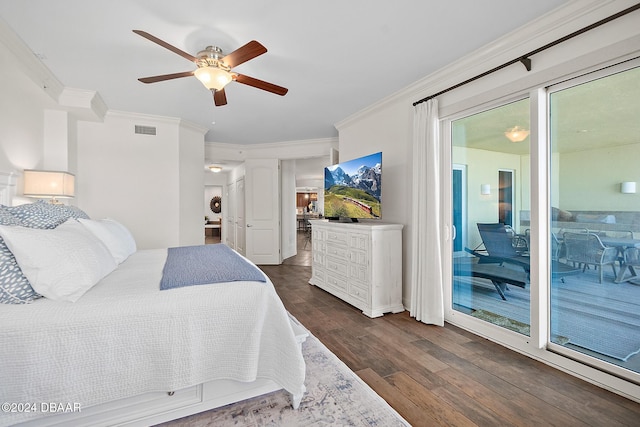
437 376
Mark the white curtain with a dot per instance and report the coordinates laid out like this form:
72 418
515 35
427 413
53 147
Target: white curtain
427 304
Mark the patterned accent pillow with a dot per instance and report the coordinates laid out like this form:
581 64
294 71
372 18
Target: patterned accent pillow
74 212
39 215
6 218
14 286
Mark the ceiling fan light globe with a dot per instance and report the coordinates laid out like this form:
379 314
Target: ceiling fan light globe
213 77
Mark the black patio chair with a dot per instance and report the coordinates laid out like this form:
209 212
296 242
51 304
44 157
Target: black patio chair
501 244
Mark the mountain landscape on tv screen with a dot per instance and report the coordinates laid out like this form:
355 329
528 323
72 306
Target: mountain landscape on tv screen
356 194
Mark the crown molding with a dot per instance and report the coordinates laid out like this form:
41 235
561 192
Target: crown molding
194 127
84 104
127 115
33 67
117 114
282 150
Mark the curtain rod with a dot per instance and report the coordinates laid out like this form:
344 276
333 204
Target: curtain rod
525 60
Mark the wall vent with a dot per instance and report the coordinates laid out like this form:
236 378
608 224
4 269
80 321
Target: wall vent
145 130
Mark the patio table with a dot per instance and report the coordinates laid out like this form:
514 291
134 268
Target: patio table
620 242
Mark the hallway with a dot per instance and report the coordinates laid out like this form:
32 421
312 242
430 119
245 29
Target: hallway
303 257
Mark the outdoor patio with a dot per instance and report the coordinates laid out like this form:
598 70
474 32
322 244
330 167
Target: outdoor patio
599 319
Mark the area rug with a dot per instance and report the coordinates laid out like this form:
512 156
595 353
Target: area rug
335 396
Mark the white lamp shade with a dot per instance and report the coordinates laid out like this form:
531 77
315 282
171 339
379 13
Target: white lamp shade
628 187
485 189
45 184
213 77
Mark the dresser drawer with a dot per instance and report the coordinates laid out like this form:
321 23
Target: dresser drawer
318 258
336 282
335 237
358 292
318 246
359 273
318 273
336 266
336 251
359 241
359 257
317 234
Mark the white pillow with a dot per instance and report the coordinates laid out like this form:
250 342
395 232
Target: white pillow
114 235
61 263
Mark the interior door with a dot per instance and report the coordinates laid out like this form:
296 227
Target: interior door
262 195
240 217
231 215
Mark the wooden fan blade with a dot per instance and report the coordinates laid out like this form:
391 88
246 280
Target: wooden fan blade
165 45
154 79
219 97
269 87
244 53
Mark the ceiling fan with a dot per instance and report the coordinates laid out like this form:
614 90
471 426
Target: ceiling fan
214 68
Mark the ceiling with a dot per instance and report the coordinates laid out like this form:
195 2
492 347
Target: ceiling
594 114
336 57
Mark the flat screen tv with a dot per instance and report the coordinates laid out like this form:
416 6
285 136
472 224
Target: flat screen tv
352 190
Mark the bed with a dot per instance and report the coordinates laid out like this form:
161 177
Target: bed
128 353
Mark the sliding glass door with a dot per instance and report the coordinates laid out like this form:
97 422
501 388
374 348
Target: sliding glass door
490 274
575 290
595 216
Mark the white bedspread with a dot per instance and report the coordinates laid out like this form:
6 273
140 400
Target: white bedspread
125 337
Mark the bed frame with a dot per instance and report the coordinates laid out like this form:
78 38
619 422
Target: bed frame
154 408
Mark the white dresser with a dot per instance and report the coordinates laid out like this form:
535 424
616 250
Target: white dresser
360 263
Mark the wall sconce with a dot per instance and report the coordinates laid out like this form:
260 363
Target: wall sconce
485 189
628 187
48 184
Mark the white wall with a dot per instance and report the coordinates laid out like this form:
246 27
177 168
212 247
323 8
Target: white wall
152 184
388 130
602 189
482 168
190 147
22 106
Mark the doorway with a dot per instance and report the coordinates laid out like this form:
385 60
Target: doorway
213 214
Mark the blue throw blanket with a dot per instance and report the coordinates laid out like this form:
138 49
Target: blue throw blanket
204 264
